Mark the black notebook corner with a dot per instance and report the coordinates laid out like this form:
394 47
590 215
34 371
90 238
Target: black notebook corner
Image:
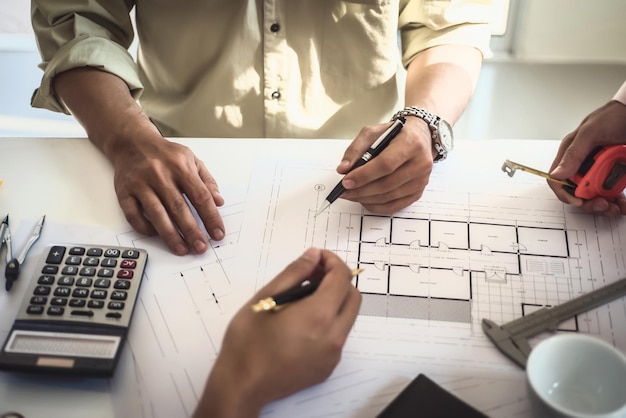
424 398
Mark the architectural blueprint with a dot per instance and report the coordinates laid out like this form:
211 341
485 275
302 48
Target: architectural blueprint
433 271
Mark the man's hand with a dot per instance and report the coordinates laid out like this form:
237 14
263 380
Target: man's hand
397 176
156 181
441 80
604 126
266 356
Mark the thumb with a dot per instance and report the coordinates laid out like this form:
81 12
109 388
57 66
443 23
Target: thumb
572 159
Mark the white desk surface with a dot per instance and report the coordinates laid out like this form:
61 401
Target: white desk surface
69 181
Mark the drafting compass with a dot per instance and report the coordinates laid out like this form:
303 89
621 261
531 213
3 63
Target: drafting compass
511 338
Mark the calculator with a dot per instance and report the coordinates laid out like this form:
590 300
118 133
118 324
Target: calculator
75 315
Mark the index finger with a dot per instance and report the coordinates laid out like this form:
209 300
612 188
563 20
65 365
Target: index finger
335 284
205 198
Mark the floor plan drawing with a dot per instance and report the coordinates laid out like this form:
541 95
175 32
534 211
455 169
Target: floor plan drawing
452 256
437 268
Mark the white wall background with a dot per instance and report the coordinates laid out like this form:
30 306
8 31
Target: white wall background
571 31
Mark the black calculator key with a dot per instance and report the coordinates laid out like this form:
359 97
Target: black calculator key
118 295
88 271
112 252
82 313
106 272
45 279
70 270
94 252
96 304
77 251
35 309
84 282
118 306
42 290
65 281
55 255
62 291
91 261
102 283
80 293
109 262
99 294
130 254
122 284
55 310
115 315
38 300
58 301
78 303
47 269
74 260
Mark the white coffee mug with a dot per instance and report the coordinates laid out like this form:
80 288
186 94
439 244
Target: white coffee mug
577 376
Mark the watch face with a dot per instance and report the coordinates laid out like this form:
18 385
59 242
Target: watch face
446 135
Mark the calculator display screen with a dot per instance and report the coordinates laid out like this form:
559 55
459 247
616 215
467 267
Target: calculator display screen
63 344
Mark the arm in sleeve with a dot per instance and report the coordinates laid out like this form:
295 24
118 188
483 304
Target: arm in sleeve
424 24
95 34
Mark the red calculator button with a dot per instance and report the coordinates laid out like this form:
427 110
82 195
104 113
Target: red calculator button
128 264
125 274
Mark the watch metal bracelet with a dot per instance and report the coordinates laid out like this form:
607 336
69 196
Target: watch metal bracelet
423 114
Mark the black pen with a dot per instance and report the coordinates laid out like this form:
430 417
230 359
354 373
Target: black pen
298 292
376 148
12 271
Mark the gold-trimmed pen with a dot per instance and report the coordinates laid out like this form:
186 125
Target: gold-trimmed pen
291 295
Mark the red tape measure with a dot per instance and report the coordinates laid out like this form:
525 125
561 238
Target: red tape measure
602 174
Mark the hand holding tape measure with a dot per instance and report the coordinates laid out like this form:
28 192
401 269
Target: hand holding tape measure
602 174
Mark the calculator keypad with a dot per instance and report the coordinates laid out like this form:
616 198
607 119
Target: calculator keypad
85 283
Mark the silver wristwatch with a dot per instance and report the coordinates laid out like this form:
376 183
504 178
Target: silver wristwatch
441 131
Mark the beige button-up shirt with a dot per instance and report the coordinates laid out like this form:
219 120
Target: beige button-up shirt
254 68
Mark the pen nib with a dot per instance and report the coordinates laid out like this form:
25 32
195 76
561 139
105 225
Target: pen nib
322 208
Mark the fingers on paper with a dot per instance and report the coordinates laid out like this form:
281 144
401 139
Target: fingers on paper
204 195
293 274
133 211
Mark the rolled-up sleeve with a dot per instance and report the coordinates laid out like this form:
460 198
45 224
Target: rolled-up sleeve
96 34
424 24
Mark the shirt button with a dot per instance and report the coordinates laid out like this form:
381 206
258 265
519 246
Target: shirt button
276 95
275 27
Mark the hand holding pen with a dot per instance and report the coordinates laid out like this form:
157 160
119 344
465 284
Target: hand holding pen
375 149
279 353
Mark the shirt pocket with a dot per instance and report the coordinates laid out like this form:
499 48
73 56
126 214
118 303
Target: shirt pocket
360 48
